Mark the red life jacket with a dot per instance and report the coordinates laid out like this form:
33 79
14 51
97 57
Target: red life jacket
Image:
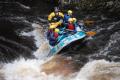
71 26
56 35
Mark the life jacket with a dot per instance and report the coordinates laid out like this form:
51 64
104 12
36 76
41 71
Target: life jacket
66 17
56 35
55 17
71 26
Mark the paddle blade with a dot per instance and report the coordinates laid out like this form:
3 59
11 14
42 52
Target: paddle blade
91 33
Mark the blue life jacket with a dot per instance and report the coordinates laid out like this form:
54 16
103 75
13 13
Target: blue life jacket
66 17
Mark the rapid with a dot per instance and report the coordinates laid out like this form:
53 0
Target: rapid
24 49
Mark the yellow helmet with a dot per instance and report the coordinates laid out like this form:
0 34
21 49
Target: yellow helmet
51 27
70 20
70 11
74 19
57 30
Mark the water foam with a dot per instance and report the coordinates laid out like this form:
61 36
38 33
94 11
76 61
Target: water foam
40 41
99 70
26 70
32 69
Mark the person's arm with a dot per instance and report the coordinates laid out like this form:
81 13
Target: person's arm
51 16
61 14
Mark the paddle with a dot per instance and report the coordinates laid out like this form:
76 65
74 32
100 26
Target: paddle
91 33
89 22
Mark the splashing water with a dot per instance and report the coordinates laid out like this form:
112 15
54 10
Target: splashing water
32 70
99 70
25 70
40 41
54 68
57 67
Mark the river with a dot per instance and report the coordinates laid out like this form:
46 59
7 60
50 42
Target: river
23 48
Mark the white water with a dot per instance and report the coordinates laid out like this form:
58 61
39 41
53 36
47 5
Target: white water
31 70
40 41
99 70
22 69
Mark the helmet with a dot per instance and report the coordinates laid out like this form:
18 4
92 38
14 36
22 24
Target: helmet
51 27
70 12
56 9
70 20
57 30
74 19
